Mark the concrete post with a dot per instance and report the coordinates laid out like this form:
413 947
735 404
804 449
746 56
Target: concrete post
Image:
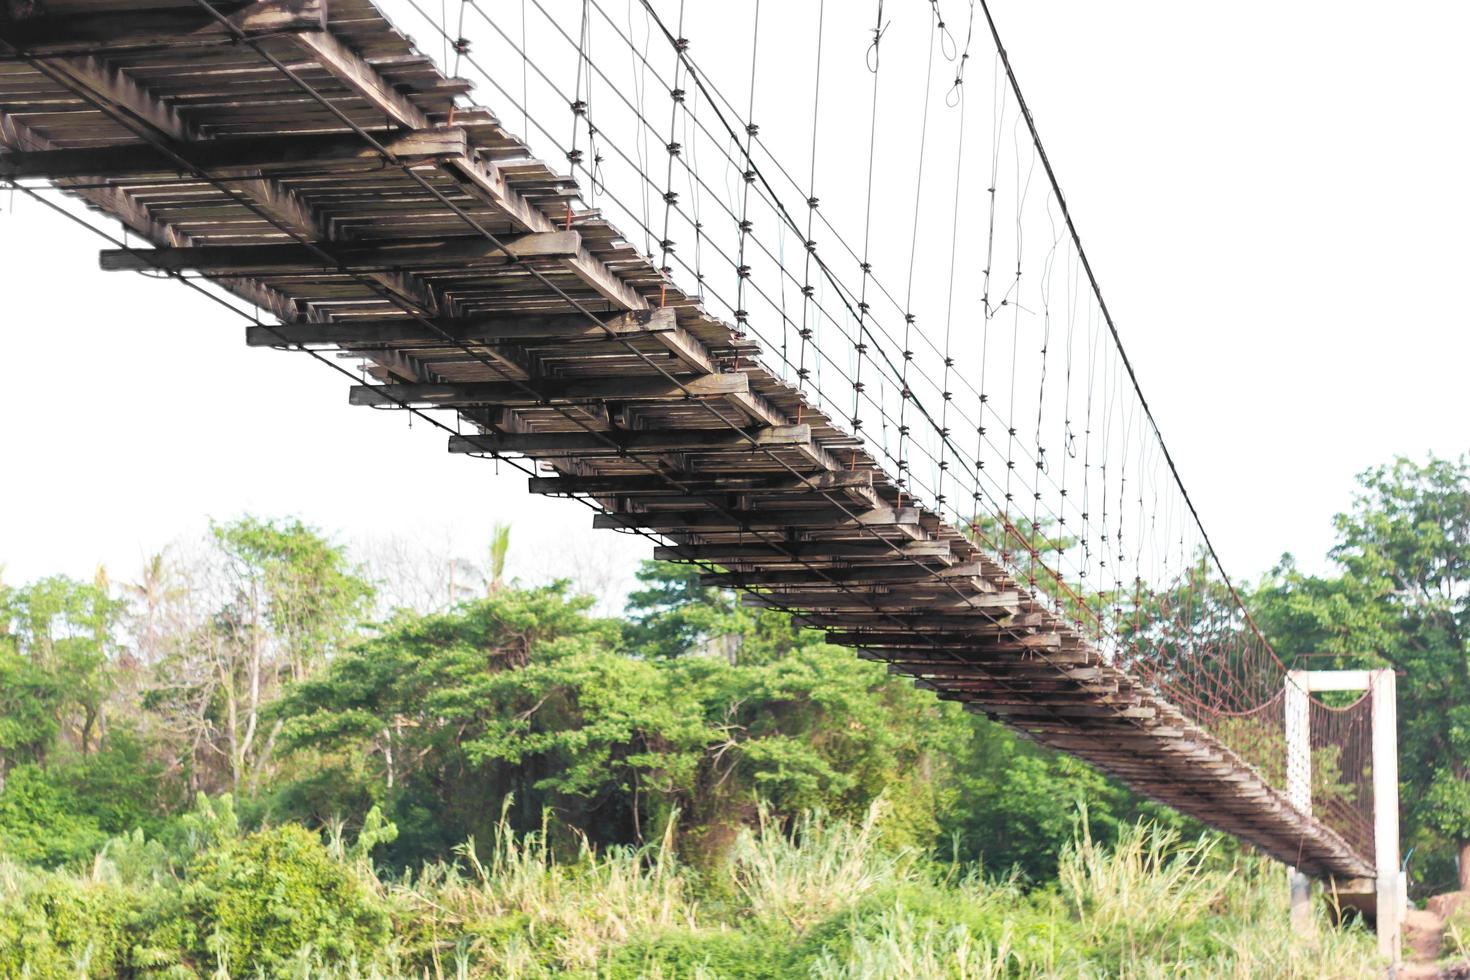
1299 786
1390 887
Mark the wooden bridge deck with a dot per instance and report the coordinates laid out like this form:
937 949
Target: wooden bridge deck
454 265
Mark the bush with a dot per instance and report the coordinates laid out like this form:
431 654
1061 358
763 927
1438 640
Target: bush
40 823
256 903
59 925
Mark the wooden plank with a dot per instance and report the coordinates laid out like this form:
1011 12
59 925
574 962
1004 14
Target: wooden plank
765 519
814 550
651 440
656 486
349 68
226 157
486 181
854 598
918 627
483 329
27 27
285 259
877 575
621 389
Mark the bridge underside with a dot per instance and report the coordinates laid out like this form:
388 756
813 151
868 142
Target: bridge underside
575 352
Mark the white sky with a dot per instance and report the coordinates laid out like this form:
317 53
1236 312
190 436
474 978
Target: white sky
1272 196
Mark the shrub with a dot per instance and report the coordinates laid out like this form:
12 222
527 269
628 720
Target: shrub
256 903
62 925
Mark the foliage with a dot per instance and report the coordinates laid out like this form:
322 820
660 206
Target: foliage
1401 598
833 899
700 789
256 902
521 694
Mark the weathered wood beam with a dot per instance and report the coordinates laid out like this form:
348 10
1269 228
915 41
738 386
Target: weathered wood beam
656 486
762 519
876 575
634 441
493 328
482 179
28 27
855 599
813 550
114 88
228 157
923 625
622 389
287 259
353 71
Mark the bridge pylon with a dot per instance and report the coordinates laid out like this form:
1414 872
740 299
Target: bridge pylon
1389 889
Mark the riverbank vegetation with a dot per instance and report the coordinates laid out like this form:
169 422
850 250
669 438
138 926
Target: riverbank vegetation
254 757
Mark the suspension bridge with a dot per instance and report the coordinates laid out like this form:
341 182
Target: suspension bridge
860 370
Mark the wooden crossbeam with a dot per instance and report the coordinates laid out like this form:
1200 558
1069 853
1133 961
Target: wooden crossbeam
621 389
285 259
28 27
495 328
877 574
923 625
762 519
651 440
812 550
843 600
482 179
844 480
353 71
227 157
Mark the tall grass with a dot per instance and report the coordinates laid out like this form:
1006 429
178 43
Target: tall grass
821 898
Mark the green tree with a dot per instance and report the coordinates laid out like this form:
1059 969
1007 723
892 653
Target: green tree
1402 598
63 632
291 579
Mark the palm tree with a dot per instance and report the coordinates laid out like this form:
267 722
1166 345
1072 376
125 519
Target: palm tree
499 545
